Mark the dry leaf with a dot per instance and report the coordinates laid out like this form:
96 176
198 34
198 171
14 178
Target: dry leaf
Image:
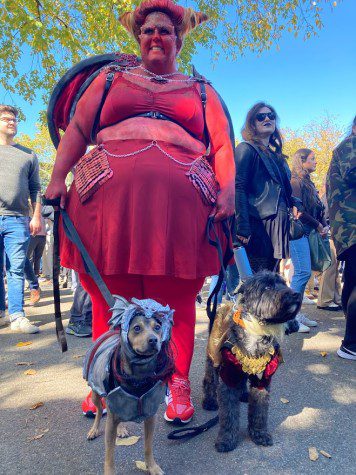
141 465
284 400
39 436
24 363
323 353
36 406
78 356
128 440
30 372
328 456
24 343
313 454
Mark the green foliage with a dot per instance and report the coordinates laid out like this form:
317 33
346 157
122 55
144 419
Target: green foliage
41 144
321 136
58 33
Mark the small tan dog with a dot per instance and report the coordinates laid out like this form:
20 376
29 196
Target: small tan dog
129 366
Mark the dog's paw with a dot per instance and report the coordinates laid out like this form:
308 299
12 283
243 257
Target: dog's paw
93 434
155 470
210 404
122 431
225 445
261 438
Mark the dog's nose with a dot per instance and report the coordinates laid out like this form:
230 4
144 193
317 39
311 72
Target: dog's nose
153 341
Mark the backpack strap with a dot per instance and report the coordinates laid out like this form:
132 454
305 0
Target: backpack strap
109 80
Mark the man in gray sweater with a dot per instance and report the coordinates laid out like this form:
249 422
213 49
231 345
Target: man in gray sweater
19 181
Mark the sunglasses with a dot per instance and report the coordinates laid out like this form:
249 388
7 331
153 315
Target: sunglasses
262 115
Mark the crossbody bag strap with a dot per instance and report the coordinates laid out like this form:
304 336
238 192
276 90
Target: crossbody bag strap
109 80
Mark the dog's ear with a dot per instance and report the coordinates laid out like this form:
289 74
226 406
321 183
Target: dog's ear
118 310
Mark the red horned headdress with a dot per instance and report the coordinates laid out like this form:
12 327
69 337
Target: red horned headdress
183 19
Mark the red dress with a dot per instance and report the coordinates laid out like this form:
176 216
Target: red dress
147 219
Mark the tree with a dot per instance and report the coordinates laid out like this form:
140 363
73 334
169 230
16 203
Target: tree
41 144
321 136
58 33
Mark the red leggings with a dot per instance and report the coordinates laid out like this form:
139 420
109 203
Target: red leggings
179 294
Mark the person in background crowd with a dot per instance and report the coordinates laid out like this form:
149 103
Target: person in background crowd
341 196
263 191
80 321
312 217
33 263
329 295
230 284
19 181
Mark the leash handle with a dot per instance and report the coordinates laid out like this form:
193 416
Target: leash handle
190 432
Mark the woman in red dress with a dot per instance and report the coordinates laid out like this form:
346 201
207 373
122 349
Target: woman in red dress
145 226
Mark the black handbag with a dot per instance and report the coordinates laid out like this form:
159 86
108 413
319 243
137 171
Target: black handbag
296 228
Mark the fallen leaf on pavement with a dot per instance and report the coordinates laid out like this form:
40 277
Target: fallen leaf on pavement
38 436
30 372
36 406
128 440
24 363
141 465
328 456
24 343
284 400
313 454
78 356
323 354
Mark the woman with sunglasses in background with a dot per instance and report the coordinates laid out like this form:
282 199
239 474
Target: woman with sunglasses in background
263 190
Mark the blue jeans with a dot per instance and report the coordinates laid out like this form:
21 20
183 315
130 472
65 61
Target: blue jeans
14 240
232 280
30 275
300 255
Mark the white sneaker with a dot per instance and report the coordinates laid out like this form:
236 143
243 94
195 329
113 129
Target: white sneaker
301 318
23 325
303 328
307 301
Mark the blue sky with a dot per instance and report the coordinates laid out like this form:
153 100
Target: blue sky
304 80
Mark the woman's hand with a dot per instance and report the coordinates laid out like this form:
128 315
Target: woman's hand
57 189
225 204
243 239
295 212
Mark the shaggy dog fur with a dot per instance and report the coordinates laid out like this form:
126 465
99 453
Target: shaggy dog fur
267 306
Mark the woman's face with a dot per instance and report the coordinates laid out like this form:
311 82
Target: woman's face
310 163
158 40
265 125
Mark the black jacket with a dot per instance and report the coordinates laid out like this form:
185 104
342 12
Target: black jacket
258 185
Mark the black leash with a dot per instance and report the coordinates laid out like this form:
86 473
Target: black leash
89 265
228 226
190 432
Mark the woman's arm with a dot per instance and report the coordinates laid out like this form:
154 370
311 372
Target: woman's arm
304 216
75 140
223 155
244 159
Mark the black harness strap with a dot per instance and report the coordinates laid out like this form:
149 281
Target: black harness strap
109 80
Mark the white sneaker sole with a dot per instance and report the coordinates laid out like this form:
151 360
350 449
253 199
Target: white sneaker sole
304 330
345 356
176 420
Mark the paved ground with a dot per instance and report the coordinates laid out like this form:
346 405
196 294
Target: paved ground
321 409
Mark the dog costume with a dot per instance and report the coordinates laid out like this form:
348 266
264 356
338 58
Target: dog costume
102 366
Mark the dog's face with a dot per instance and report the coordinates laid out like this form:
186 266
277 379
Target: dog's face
145 335
267 297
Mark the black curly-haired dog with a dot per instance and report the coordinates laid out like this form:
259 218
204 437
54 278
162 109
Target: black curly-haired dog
244 346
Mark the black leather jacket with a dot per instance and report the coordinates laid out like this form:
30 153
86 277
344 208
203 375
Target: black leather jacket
258 187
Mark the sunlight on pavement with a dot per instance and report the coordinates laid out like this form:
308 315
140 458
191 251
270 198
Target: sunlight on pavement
307 418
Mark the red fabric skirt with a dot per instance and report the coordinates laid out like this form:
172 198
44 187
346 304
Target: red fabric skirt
148 219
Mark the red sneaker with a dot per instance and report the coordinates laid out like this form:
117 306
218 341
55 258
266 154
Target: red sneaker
88 407
180 409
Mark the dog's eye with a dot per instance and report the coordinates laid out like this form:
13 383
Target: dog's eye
137 328
157 327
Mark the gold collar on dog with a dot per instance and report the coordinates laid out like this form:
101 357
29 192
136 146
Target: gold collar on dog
251 365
